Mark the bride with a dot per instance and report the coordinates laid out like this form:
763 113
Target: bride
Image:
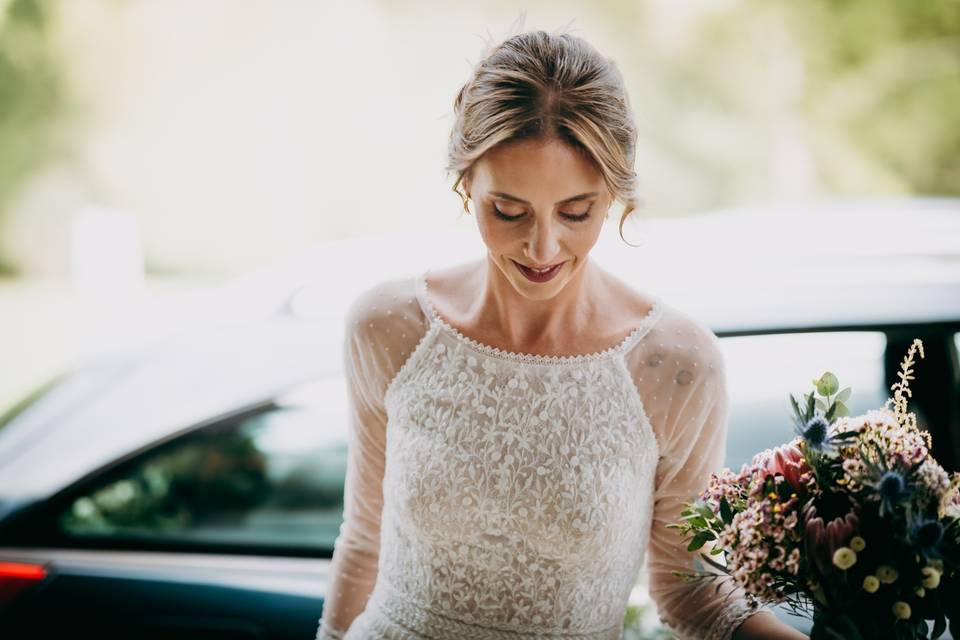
524 425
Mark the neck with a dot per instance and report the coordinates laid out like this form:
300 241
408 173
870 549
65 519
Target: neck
523 320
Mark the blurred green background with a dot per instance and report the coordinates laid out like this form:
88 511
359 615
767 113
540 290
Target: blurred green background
149 148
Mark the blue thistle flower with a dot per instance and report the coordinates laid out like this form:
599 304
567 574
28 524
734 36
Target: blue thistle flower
816 434
891 489
927 533
891 485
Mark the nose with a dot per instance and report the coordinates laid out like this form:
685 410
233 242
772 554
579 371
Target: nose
542 244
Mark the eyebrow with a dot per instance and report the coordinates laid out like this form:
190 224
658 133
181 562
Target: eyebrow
582 196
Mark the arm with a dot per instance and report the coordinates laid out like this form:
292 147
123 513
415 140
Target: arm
766 626
689 412
357 547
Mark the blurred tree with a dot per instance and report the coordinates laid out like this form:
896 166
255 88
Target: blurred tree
739 100
883 89
862 95
31 96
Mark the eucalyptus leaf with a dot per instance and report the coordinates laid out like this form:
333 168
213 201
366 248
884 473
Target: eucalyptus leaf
844 395
841 410
828 384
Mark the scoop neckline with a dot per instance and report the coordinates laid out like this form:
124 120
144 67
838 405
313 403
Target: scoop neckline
422 295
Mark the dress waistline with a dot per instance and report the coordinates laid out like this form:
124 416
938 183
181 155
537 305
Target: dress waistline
422 622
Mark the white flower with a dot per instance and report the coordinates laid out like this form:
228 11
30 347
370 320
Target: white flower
887 574
931 579
901 609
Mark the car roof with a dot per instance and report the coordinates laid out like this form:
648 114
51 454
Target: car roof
745 269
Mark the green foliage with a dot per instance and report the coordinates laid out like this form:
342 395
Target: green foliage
882 88
700 524
826 386
31 97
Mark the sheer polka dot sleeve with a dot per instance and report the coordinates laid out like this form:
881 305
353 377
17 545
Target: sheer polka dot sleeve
679 371
382 327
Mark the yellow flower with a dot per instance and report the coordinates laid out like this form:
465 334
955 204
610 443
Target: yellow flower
901 609
871 584
857 543
920 591
887 574
931 578
844 557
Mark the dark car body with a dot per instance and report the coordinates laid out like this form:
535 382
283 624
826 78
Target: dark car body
193 487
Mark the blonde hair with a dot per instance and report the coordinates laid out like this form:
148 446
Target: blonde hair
544 86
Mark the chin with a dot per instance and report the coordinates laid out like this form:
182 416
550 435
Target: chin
542 290
538 291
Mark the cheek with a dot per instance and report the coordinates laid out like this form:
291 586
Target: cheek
497 235
582 241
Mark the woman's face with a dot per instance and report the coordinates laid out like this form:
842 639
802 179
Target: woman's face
556 202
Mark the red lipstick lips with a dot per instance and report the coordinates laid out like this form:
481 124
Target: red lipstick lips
539 276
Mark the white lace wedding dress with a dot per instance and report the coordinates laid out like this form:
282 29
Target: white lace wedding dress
492 494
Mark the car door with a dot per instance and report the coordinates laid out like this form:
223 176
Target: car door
224 531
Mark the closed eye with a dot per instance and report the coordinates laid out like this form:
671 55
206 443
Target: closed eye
569 216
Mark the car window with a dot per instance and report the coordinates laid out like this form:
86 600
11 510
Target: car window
274 477
764 370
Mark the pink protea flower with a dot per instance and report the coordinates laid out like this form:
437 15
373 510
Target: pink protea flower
825 534
788 461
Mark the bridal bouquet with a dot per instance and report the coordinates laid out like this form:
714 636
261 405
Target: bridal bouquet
852 521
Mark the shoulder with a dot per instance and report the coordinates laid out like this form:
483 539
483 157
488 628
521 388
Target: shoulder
689 334
384 323
679 348
383 304
679 373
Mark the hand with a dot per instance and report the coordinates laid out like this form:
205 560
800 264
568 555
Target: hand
765 625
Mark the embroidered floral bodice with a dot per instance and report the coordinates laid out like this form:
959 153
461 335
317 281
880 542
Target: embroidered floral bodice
493 494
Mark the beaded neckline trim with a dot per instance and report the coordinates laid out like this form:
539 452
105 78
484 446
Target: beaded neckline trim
638 332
